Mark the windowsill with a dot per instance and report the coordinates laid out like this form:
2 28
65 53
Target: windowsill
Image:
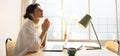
101 41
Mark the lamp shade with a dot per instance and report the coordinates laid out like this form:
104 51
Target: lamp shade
85 21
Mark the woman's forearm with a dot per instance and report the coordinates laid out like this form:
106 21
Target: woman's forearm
44 41
43 36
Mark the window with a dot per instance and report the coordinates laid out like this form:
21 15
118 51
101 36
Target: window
104 18
52 11
73 12
65 14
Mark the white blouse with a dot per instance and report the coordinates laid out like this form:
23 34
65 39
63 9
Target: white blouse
28 39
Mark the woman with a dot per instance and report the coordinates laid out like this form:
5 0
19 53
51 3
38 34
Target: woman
30 37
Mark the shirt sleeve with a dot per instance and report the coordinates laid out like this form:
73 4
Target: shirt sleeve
33 39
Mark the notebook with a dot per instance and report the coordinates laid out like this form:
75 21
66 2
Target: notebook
53 47
73 45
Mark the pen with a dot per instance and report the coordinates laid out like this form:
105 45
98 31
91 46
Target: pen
79 48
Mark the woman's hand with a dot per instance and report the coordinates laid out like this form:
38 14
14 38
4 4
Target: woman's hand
45 25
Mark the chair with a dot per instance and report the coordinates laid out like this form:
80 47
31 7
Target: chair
10 44
112 46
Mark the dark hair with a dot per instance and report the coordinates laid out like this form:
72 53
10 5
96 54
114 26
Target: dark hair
30 9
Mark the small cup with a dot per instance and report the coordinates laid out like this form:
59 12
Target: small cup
71 51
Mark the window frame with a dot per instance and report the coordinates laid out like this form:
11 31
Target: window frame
117 22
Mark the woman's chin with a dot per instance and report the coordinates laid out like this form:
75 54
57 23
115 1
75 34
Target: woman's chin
41 16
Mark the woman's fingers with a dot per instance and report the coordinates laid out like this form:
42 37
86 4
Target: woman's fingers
46 24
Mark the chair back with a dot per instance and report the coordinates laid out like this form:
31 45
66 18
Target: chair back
10 45
112 46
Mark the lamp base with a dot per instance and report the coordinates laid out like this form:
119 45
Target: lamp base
92 48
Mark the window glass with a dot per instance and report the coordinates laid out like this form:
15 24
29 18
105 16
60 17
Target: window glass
52 11
104 18
74 10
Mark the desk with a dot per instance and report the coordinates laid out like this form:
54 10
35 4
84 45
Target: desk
82 52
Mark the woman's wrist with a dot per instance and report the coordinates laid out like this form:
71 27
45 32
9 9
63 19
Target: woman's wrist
42 36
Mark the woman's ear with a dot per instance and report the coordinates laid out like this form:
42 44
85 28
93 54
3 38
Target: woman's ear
31 14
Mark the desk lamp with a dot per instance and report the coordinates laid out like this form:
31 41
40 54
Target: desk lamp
84 23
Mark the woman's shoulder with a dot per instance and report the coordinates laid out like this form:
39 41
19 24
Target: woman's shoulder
29 23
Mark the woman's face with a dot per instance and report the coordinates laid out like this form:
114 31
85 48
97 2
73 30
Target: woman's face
38 12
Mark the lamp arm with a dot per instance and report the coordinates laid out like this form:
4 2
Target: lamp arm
95 34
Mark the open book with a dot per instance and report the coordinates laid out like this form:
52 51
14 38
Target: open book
53 47
91 46
76 45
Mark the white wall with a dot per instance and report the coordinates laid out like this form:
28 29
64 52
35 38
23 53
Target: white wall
10 14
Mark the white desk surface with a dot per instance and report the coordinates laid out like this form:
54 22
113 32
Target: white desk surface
82 52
